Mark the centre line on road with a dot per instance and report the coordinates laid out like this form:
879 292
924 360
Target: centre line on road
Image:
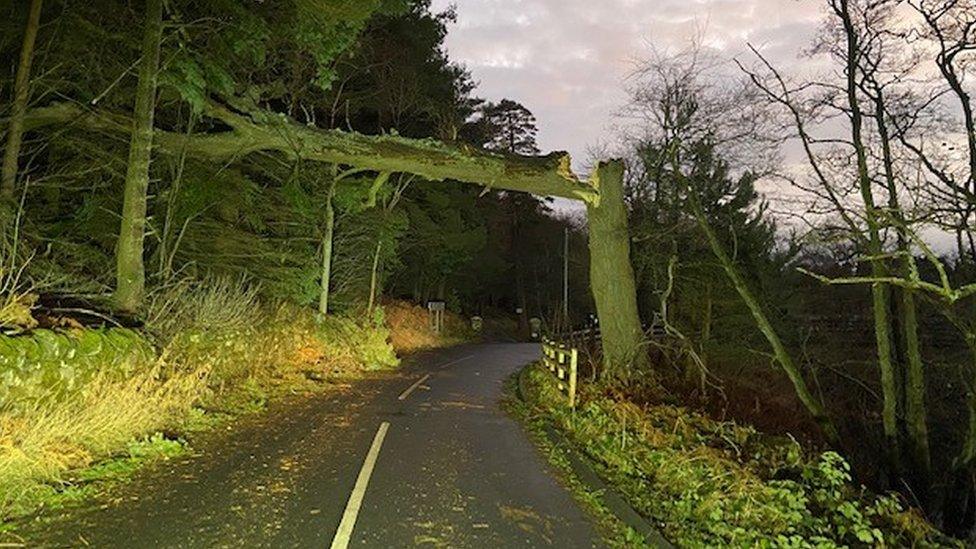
344 533
453 362
419 382
410 389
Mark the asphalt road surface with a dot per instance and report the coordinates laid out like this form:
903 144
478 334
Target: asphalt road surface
420 458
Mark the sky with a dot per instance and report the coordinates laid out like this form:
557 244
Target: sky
568 60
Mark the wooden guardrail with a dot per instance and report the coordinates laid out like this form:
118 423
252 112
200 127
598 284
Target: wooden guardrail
562 361
560 354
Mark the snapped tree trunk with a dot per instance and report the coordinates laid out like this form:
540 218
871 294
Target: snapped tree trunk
15 130
327 238
612 275
783 356
130 268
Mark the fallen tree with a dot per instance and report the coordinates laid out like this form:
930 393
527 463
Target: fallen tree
612 276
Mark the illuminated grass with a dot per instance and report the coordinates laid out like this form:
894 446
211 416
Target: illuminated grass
719 484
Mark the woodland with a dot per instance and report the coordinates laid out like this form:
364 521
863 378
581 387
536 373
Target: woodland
206 203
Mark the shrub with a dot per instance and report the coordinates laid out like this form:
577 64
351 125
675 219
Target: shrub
719 484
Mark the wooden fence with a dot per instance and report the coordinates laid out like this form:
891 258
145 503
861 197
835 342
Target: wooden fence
563 362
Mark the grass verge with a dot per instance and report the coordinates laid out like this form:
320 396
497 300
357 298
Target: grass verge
617 534
718 484
83 409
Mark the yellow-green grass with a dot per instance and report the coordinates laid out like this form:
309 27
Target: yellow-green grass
87 407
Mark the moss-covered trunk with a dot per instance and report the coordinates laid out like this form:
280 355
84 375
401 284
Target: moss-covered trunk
879 292
611 273
374 280
130 268
782 355
916 424
15 131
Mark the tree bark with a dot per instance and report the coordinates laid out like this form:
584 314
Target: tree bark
916 425
697 371
373 280
327 239
612 275
879 292
549 175
15 129
130 268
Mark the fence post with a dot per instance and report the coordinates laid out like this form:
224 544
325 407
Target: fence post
574 355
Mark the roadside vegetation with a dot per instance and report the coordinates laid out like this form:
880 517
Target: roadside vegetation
76 397
149 292
709 483
205 204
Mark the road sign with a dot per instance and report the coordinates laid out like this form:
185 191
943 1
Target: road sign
436 311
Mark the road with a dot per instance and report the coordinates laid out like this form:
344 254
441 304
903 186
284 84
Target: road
423 457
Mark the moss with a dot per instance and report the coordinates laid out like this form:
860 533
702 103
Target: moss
543 175
47 365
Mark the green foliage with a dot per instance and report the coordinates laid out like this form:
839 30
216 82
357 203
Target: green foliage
370 343
507 126
719 484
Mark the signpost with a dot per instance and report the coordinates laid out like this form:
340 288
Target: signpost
436 311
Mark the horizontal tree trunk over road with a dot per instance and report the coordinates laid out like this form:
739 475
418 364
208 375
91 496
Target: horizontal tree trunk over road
612 275
549 175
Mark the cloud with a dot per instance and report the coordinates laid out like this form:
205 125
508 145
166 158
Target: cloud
567 60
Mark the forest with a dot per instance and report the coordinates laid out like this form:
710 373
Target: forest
205 206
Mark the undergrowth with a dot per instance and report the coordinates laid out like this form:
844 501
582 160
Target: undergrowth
411 330
716 483
76 399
